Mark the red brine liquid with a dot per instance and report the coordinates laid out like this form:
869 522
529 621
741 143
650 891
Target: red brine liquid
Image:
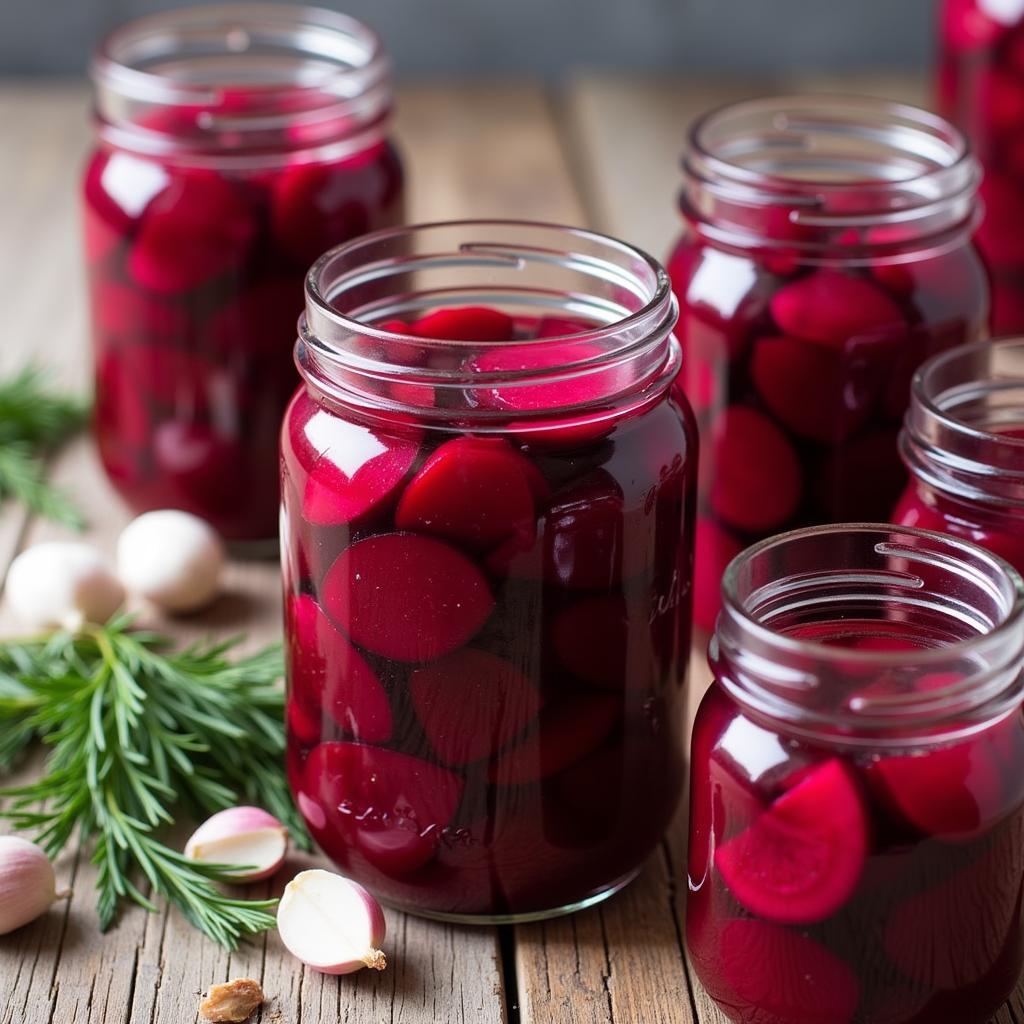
196 268
831 885
487 635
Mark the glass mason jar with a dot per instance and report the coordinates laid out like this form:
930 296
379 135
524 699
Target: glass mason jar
489 487
828 254
963 443
981 89
235 144
857 799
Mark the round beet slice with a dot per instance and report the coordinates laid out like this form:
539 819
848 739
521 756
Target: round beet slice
352 468
406 597
773 975
328 674
391 806
471 704
467 323
565 732
474 491
196 228
800 861
757 483
832 308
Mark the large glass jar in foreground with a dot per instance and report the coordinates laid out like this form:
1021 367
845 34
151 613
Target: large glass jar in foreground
488 540
236 143
964 446
981 89
828 255
857 773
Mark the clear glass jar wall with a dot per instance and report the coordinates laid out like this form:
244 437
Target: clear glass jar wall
235 144
828 254
857 808
488 539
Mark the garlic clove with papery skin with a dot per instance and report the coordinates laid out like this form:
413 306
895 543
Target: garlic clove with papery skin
172 558
27 884
62 585
245 836
331 923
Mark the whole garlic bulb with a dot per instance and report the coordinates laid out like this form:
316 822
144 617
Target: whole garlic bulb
62 584
171 558
27 883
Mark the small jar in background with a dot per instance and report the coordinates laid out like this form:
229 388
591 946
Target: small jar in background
235 144
488 487
857 793
963 444
828 254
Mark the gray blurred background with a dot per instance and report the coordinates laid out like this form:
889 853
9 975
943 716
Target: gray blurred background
549 38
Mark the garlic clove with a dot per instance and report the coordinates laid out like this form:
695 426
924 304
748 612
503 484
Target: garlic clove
27 883
247 836
331 923
172 558
62 585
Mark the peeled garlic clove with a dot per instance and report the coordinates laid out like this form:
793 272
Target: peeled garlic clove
62 585
247 836
27 883
171 558
331 923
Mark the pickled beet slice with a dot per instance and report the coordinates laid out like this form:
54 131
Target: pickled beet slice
832 308
800 861
468 323
559 327
353 469
813 389
776 976
473 491
329 674
391 806
406 597
716 547
565 732
757 483
471 704
196 228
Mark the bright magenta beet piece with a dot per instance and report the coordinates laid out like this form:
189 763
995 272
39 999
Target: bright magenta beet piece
833 308
565 732
757 483
353 468
716 547
328 673
471 704
558 327
466 323
815 390
393 807
800 861
474 491
778 976
406 597
196 228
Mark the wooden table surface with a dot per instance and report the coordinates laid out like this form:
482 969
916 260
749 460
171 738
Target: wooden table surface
598 152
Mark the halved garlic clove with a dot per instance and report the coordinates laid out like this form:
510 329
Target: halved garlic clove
248 837
27 883
331 923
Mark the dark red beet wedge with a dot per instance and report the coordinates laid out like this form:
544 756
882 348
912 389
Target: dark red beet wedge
800 861
833 308
468 323
757 483
471 704
198 227
473 491
329 674
776 976
565 732
391 806
406 597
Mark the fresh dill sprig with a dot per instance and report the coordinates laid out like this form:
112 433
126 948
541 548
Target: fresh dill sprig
135 730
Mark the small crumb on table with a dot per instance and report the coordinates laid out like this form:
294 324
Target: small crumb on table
232 1001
